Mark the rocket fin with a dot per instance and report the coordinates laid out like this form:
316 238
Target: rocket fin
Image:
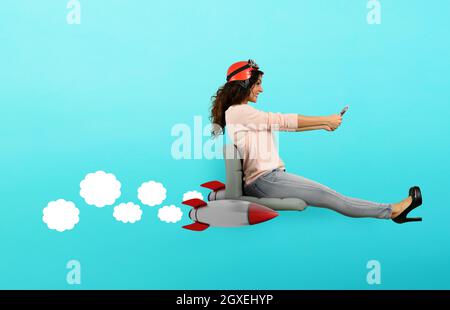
195 203
196 226
214 185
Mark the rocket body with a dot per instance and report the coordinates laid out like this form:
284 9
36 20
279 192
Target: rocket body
231 213
226 212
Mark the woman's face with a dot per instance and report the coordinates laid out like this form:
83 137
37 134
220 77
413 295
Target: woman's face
255 90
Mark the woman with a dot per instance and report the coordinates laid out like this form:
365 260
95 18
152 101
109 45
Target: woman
264 171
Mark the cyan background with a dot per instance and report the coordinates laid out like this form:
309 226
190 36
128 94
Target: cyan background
105 94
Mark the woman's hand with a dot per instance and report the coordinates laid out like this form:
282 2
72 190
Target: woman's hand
333 122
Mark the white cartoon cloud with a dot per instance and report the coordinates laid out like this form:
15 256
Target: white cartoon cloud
127 212
192 195
151 193
61 215
100 189
170 214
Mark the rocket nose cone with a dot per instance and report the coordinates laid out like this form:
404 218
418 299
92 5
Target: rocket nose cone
258 214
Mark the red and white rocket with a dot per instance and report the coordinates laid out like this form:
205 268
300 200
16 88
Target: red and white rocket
226 212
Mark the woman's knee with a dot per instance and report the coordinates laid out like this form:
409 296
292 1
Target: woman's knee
323 197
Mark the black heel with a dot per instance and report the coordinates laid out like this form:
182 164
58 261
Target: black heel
416 196
414 219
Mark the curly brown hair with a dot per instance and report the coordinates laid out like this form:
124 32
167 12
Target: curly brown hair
231 93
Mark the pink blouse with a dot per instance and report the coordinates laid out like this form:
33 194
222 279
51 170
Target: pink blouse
251 130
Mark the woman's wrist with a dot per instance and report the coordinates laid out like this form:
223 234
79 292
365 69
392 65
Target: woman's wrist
326 121
316 127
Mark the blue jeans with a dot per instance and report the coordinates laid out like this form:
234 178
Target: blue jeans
280 184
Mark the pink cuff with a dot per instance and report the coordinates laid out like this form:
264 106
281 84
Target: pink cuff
292 121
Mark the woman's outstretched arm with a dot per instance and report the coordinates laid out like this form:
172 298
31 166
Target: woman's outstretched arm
307 121
317 127
254 119
318 122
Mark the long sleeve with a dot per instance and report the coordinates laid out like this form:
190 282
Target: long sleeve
256 120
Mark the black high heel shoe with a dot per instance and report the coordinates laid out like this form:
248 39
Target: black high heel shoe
416 196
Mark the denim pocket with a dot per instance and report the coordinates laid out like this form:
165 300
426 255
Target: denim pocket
271 176
254 190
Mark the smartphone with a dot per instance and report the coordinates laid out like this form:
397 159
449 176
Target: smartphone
344 110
